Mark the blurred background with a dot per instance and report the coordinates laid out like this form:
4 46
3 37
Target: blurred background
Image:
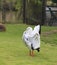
33 12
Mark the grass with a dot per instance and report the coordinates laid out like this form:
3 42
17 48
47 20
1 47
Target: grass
14 52
50 36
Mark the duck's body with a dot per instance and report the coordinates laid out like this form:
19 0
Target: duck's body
32 38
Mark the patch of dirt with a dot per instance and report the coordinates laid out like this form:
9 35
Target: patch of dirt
49 32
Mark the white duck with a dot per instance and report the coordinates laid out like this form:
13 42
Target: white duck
32 39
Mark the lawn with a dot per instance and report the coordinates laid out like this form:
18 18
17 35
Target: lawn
14 52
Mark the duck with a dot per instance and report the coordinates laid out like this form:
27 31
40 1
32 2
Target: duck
31 38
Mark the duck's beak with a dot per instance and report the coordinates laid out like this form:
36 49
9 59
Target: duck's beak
38 49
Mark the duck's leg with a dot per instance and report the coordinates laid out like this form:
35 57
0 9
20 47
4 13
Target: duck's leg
31 52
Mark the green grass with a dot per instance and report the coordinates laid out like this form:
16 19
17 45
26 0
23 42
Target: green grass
14 52
51 37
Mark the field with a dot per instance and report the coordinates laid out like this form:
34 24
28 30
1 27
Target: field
14 52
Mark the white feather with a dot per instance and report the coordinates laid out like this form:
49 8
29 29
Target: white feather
31 36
